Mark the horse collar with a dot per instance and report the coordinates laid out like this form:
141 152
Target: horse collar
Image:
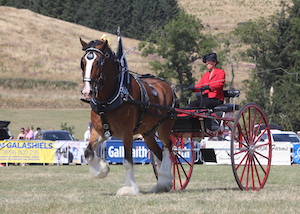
115 101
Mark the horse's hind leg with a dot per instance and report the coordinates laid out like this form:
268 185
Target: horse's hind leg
153 146
165 177
98 167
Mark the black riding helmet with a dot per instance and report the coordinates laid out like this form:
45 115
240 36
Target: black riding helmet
210 57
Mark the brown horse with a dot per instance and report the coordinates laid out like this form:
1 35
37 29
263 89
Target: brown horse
124 105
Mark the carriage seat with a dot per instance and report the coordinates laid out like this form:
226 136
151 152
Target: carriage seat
231 93
227 107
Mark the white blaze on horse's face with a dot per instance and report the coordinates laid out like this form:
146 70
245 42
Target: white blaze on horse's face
90 58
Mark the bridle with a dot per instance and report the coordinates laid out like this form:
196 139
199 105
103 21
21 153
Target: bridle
119 78
97 84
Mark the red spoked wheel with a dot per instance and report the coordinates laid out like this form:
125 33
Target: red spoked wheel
182 157
251 148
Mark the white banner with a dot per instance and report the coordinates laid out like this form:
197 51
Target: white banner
281 153
222 150
70 152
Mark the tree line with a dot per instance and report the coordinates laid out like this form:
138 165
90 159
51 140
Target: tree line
137 18
275 50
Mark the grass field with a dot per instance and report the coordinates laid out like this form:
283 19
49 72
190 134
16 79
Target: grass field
70 189
47 119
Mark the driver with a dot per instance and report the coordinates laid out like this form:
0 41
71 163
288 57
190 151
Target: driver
210 85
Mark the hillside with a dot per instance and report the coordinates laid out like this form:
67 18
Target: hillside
48 51
37 47
221 16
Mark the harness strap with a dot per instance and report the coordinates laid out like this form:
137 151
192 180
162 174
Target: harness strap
144 99
105 125
146 105
154 127
144 94
115 101
172 114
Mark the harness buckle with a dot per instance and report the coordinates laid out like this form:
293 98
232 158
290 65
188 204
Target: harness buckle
107 134
124 91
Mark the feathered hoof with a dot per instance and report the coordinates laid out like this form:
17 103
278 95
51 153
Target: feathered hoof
98 168
128 190
158 188
164 183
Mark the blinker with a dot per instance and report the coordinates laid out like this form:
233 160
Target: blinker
90 56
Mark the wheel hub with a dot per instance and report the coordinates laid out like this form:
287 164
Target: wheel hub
252 148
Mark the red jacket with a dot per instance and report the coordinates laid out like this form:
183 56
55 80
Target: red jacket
216 83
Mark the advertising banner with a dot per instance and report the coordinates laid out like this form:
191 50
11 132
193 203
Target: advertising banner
141 154
70 152
297 153
76 151
18 151
33 151
115 152
222 151
281 152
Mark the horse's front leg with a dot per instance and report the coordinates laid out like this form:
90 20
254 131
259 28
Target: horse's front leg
130 187
98 167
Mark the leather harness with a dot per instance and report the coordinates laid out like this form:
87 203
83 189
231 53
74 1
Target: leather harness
122 95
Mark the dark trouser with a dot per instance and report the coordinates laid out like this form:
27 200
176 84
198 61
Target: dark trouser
206 102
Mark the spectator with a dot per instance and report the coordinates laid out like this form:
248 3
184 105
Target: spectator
29 134
87 133
22 134
38 129
228 137
38 134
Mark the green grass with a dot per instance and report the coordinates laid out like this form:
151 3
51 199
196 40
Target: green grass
47 119
22 83
69 189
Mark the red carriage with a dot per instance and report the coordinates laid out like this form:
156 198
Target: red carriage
250 156
124 104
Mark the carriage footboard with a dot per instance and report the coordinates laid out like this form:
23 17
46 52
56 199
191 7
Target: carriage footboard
187 124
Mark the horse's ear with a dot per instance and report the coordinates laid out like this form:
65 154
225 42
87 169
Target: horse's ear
104 44
83 43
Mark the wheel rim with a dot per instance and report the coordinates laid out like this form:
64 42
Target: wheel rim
250 155
182 157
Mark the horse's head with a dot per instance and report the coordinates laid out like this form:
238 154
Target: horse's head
98 66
